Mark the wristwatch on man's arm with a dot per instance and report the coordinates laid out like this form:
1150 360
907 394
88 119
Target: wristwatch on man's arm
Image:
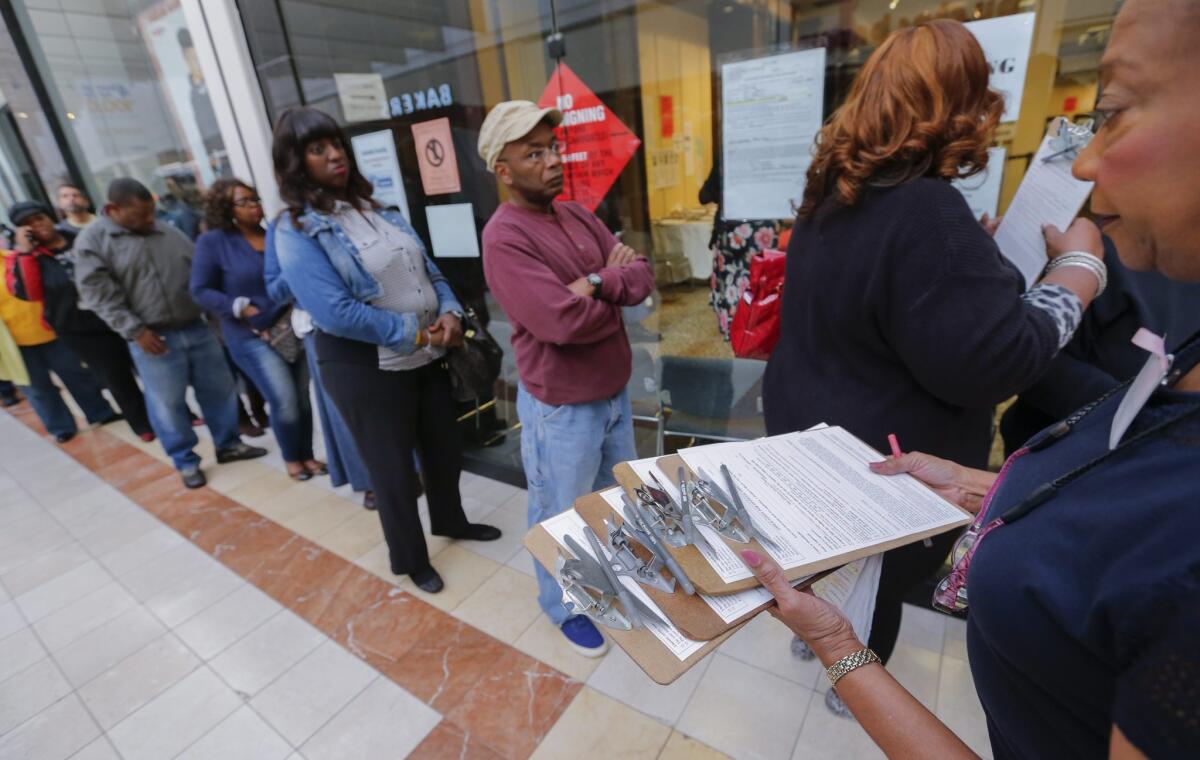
596 281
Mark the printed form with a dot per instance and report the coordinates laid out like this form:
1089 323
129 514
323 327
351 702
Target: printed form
1049 194
813 496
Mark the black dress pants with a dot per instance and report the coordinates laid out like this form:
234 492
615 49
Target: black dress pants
903 569
391 414
107 355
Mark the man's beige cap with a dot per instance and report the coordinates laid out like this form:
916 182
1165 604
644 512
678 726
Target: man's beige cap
509 121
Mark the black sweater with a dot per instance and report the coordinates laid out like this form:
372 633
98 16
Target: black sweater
901 316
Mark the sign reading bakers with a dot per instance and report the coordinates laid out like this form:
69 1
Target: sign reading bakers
595 144
1006 42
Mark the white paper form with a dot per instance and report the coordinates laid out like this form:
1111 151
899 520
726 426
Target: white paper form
729 607
852 590
813 496
1048 194
727 564
569 523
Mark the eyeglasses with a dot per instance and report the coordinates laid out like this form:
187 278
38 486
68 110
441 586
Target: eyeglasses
248 202
539 155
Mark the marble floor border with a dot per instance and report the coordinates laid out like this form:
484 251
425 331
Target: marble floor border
472 679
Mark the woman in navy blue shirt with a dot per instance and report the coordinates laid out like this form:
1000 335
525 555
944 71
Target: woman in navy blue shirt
227 279
1083 566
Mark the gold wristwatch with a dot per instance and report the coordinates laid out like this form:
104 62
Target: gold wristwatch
850 662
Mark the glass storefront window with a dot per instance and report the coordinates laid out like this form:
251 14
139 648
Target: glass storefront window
657 67
132 93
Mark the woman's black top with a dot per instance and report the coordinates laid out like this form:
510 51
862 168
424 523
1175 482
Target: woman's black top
1085 613
901 316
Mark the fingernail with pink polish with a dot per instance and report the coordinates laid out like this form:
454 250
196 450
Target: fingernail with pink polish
752 558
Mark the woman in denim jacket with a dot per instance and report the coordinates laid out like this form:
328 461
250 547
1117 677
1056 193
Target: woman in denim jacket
385 317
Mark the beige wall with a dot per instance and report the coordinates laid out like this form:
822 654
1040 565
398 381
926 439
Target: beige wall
674 59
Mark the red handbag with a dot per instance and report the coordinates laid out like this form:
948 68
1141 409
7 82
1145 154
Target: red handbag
755 329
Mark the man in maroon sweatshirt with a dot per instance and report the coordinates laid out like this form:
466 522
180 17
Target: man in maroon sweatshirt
562 278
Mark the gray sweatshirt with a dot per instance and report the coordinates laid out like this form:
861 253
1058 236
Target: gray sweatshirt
135 281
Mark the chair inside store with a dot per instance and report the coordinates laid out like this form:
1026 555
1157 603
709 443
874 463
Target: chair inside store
643 386
711 399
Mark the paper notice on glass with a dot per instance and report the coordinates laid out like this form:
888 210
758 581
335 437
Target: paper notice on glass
452 231
1048 194
772 109
363 96
569 523
375 154
982 191
1006 42
436 157
729 607
813 496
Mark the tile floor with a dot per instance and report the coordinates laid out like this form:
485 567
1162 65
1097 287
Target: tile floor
257 619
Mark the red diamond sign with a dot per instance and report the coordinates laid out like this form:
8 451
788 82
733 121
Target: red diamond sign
595 144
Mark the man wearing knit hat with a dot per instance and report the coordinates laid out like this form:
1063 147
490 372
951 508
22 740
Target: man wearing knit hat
562 278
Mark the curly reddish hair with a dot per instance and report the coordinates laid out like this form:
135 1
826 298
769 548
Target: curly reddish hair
920 107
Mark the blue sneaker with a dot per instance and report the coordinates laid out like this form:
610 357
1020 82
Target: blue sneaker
584 637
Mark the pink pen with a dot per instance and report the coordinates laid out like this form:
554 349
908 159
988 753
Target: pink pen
896 452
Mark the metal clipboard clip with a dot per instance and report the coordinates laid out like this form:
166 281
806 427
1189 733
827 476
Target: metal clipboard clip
1068 140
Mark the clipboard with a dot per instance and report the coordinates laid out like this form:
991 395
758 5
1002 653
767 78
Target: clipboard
689 614
649 653
705 578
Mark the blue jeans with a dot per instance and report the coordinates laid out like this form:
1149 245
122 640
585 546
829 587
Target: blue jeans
569 451
44 394
194 357
341 453
285 387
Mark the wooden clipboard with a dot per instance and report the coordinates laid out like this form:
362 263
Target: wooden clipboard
643 648
706 579
689 613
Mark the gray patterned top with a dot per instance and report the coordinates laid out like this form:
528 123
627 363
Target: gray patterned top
394 259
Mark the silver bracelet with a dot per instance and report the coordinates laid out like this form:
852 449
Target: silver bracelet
839 669
1082 260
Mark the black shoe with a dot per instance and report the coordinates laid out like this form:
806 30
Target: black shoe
193 477
477 532
369 500
238 452
428 580
64 437
250 430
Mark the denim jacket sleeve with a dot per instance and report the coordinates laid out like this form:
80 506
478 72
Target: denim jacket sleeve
277 287
321 291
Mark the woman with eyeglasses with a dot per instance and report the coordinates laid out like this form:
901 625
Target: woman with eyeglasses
1083 565
227 279
900 315
385 317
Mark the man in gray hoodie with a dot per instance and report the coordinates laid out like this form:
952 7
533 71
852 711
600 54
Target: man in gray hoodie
133 272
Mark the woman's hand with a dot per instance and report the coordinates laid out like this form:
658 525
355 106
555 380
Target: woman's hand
250 311
23 241
446 331
953 482
1083 235
989 224
822 626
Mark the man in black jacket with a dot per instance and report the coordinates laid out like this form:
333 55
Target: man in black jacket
44 272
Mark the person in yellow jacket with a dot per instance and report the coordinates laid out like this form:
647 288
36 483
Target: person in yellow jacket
42 353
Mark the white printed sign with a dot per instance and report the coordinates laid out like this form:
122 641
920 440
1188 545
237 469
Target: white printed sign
375 154
1006 42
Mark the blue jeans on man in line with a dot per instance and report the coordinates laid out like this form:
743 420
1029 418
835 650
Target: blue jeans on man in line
568 451
194 357
45 397
285 386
